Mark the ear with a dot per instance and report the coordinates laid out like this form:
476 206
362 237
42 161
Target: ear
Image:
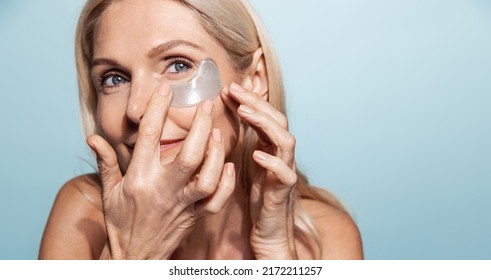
256 77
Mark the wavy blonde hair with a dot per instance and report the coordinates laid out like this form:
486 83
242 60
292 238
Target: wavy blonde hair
236 27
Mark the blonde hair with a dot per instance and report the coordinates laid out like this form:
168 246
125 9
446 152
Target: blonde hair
235 25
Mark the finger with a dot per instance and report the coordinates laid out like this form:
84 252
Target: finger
147 147
256 199
285 175
107 163
228 100
215 203
192 152
254 101
246 103
210 172
234 105
263 140
263 123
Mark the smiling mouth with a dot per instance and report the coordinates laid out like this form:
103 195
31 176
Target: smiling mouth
166 145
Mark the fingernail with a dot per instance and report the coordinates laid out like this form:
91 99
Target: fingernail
217 135
225 90
164 90
237 88
259 155
245 109
208 107
230 169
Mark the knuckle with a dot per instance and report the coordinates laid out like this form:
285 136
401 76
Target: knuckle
218 150
212 208
149 130
261 120
283 121
290 142
252 99
184 168
139 182
130 191
197 211
275 201
136 186
185 198
103 168
187 163
291 179
228 188
205 187
276 163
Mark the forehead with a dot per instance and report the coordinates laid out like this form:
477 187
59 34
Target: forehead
140 25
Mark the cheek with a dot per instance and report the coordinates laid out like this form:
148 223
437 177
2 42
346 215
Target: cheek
181 117
224 119
110 118
229 125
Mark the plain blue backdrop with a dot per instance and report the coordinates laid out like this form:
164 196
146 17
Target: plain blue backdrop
390 102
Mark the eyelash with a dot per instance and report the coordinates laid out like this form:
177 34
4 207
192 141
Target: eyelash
178 60
101 80
171 61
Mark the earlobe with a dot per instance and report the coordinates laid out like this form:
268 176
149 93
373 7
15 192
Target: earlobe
257 77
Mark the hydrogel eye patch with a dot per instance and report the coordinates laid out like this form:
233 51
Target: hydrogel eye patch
204 85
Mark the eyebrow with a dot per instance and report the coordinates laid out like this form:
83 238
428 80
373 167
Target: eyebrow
104 61
157 50
154 52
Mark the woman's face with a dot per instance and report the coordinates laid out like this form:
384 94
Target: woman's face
137 46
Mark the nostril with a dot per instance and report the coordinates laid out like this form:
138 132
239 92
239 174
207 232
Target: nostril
132 123
134 114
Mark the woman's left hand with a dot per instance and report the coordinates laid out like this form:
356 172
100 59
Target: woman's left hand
272 201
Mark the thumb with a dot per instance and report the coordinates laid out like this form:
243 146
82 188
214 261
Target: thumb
107 163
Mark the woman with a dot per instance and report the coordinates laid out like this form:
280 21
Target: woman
213 181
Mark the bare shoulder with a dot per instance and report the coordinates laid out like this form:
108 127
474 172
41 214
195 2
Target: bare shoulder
87 186
75 227
338 233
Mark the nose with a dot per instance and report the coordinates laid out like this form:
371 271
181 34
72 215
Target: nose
140 92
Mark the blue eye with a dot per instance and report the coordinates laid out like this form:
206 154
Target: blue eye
113 81
178 67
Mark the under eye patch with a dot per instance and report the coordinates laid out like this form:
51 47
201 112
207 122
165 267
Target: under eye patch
205 84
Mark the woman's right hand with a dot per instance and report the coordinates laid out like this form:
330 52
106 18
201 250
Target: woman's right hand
152 208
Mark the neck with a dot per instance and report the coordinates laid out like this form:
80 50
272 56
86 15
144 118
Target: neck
221 236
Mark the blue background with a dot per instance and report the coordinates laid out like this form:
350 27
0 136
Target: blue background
389 100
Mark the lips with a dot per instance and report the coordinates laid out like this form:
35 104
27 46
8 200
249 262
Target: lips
169 144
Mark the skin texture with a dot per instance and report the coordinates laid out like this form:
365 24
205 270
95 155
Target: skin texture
168 175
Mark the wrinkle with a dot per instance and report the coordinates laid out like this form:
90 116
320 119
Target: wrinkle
96 202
